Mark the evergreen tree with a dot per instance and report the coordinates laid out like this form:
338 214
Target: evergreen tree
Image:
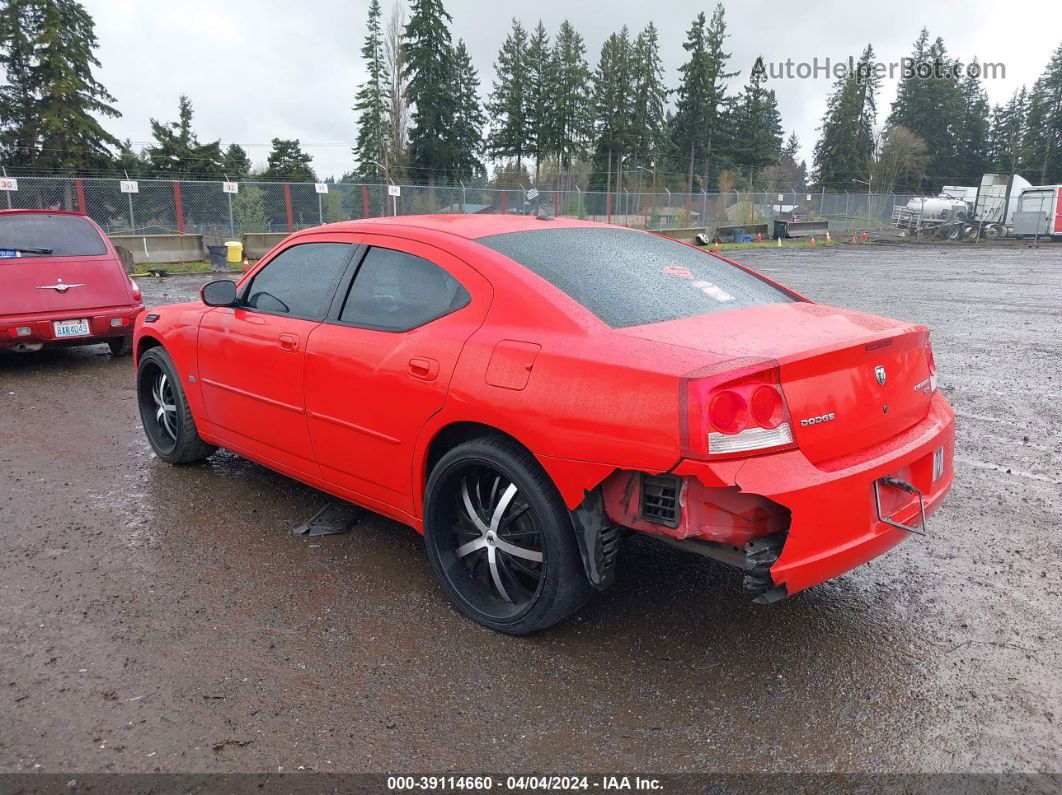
398 105
612 110
539 96
509 135
1042 147
19 93
755 125
136 165
429 66
288 163
701 94
648 118
845 148
571 118
467 133
371 102
51 102
235 163
929 103
1007 132
972 153
177 151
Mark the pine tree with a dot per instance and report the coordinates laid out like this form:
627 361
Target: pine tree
288 163
755 125
1007 132
19 20
932 107
50 104
539 96
972 152
467 133
177 151
571 118
509 136
845 149
1042 146
612 110
701 94
235 163
429 68
648 118
371 102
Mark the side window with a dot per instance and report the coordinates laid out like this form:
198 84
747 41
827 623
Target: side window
395 291
299 281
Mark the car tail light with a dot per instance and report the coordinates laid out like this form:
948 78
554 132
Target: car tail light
737 407
137 296
932 365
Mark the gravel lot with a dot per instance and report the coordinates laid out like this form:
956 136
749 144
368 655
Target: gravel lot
163 619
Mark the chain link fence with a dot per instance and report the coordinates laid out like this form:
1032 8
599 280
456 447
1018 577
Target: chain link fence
210 209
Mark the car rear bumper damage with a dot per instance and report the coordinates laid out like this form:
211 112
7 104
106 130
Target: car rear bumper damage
788 523
32 332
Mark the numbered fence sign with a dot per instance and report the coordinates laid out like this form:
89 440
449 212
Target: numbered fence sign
230 187
394 190
781 198
8 183
320 187
129 186
532 194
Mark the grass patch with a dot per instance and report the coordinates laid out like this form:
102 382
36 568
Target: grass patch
173 268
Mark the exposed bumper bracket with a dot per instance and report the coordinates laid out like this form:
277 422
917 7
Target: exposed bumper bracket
902 485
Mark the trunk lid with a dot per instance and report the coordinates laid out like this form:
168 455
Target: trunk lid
53 284
829 362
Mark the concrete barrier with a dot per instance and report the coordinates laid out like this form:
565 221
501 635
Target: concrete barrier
256 244
687 234
157 249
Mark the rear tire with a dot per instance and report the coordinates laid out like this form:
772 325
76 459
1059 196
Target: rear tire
164 411
500 539
121 346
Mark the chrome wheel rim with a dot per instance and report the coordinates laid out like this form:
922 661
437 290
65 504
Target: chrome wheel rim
165 406
491 546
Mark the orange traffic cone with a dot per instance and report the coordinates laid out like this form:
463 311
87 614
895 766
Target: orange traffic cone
715 247
863 237
759 237
246 265
813 240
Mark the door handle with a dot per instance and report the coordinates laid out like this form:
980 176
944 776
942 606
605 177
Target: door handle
289 342
423 368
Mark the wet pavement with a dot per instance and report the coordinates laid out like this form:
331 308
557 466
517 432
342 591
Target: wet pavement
155 618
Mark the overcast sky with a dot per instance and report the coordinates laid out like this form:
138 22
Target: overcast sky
258 69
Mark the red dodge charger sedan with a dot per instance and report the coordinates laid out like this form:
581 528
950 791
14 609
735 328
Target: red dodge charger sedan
62 283
524 391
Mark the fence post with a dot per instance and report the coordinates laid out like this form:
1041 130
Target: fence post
364 201
80 187
287 206
177 206
608 208
556 203
504 201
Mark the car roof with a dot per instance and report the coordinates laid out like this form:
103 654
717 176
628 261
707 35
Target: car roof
470 226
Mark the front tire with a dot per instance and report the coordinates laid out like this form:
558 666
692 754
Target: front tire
164 411
500 539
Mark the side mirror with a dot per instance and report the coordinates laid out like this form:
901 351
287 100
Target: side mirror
219 293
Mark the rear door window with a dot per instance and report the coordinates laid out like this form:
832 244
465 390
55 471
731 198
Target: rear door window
44 235
630 278
396 291
299 281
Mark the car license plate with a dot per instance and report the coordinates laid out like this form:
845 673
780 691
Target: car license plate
71 328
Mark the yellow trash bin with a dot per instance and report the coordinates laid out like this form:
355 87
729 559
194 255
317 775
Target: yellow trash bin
235 251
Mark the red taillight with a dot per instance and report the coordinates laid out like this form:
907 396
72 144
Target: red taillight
728 411
737 407
137 296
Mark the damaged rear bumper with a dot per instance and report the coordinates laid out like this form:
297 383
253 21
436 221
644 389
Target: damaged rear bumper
825 516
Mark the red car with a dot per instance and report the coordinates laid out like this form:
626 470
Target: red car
62 283
520 390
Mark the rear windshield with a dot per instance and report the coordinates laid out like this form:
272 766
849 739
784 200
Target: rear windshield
629 278
33 235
